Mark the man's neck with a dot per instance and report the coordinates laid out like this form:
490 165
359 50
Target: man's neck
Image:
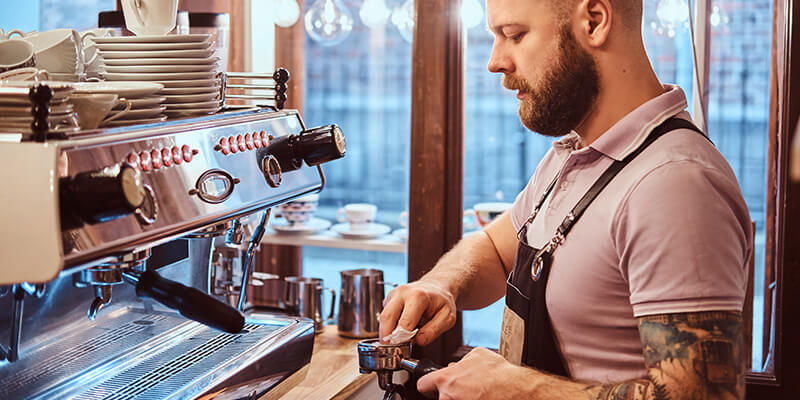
623 88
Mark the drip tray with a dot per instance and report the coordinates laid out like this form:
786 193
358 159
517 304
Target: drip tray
131 354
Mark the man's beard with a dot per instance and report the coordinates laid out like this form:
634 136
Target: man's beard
566 94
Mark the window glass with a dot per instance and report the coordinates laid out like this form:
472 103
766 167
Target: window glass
363 84
738 117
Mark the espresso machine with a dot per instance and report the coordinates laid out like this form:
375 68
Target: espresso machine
127 252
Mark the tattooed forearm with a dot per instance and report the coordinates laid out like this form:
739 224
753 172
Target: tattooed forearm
634 390
694 355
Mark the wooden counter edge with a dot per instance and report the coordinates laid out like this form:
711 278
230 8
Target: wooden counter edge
329 341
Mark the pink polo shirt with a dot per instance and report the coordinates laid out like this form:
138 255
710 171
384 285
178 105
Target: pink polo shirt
670 234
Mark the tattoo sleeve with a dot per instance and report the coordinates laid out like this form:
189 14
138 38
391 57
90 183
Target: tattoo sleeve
688 356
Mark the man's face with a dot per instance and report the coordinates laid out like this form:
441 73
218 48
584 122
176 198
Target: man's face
556 79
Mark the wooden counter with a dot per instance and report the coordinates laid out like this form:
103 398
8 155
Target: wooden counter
331 374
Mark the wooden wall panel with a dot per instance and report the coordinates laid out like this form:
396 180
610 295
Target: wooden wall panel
437 150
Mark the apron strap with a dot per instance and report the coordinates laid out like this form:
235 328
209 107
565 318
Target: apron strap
668 126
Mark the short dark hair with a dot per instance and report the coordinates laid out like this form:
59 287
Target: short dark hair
630 10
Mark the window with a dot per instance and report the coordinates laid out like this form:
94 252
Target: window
363 84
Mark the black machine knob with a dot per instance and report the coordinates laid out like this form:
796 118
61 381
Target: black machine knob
103 195
314 146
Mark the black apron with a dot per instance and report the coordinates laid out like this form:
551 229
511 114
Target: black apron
525 288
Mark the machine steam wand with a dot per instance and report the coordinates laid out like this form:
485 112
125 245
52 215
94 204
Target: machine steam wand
255 240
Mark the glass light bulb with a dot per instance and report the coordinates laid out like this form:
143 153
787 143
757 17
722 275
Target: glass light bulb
374 13
672 12
471 13
403 18
328 22
288 12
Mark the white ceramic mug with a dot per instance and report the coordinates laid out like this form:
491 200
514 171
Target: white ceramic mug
358 215
58 51
16 54
94 109
150 17
482 214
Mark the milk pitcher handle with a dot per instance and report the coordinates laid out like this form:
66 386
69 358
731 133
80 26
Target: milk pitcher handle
392 284
333 303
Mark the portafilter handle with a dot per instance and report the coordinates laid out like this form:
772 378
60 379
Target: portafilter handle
188 301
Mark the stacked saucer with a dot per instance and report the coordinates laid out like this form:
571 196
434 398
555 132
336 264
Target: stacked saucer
16 108
146 104
185 65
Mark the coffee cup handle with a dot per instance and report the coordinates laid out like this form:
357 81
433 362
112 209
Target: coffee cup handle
403 219
340 215
333 303
119 113
14 32
86 35
469 215
41 74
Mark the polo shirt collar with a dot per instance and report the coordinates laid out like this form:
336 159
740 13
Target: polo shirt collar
632 130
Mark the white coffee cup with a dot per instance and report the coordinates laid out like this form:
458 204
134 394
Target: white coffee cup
15 54
482 214
58 50
358 215
150 17
94 109
24 74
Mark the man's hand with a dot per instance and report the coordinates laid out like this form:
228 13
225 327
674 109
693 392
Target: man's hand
481 374
407 304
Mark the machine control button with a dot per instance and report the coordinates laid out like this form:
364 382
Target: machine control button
265 139
188 153
133 160
223 146
145 162
256 140
166 157
248 141
155 156
240 142
271 169
177 155
232 143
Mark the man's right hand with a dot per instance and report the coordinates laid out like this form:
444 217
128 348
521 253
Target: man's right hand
407 304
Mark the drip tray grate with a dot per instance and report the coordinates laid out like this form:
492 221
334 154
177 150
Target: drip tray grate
142 356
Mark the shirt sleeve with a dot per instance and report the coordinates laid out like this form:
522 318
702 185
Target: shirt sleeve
683 235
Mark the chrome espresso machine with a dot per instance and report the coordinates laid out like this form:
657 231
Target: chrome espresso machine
126 254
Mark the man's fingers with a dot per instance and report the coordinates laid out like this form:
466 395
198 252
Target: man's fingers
427 385
412 312
443 320
388 318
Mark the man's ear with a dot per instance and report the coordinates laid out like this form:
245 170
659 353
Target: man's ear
595 18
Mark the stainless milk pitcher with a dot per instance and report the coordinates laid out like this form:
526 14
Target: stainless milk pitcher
303 298
360 302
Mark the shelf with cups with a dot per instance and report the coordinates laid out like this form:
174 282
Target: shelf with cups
295 225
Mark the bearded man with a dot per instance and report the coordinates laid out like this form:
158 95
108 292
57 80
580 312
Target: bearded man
624 260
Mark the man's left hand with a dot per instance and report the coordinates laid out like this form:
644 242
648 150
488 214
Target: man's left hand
481 374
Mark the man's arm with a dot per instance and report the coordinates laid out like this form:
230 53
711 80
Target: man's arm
471 275
693 356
